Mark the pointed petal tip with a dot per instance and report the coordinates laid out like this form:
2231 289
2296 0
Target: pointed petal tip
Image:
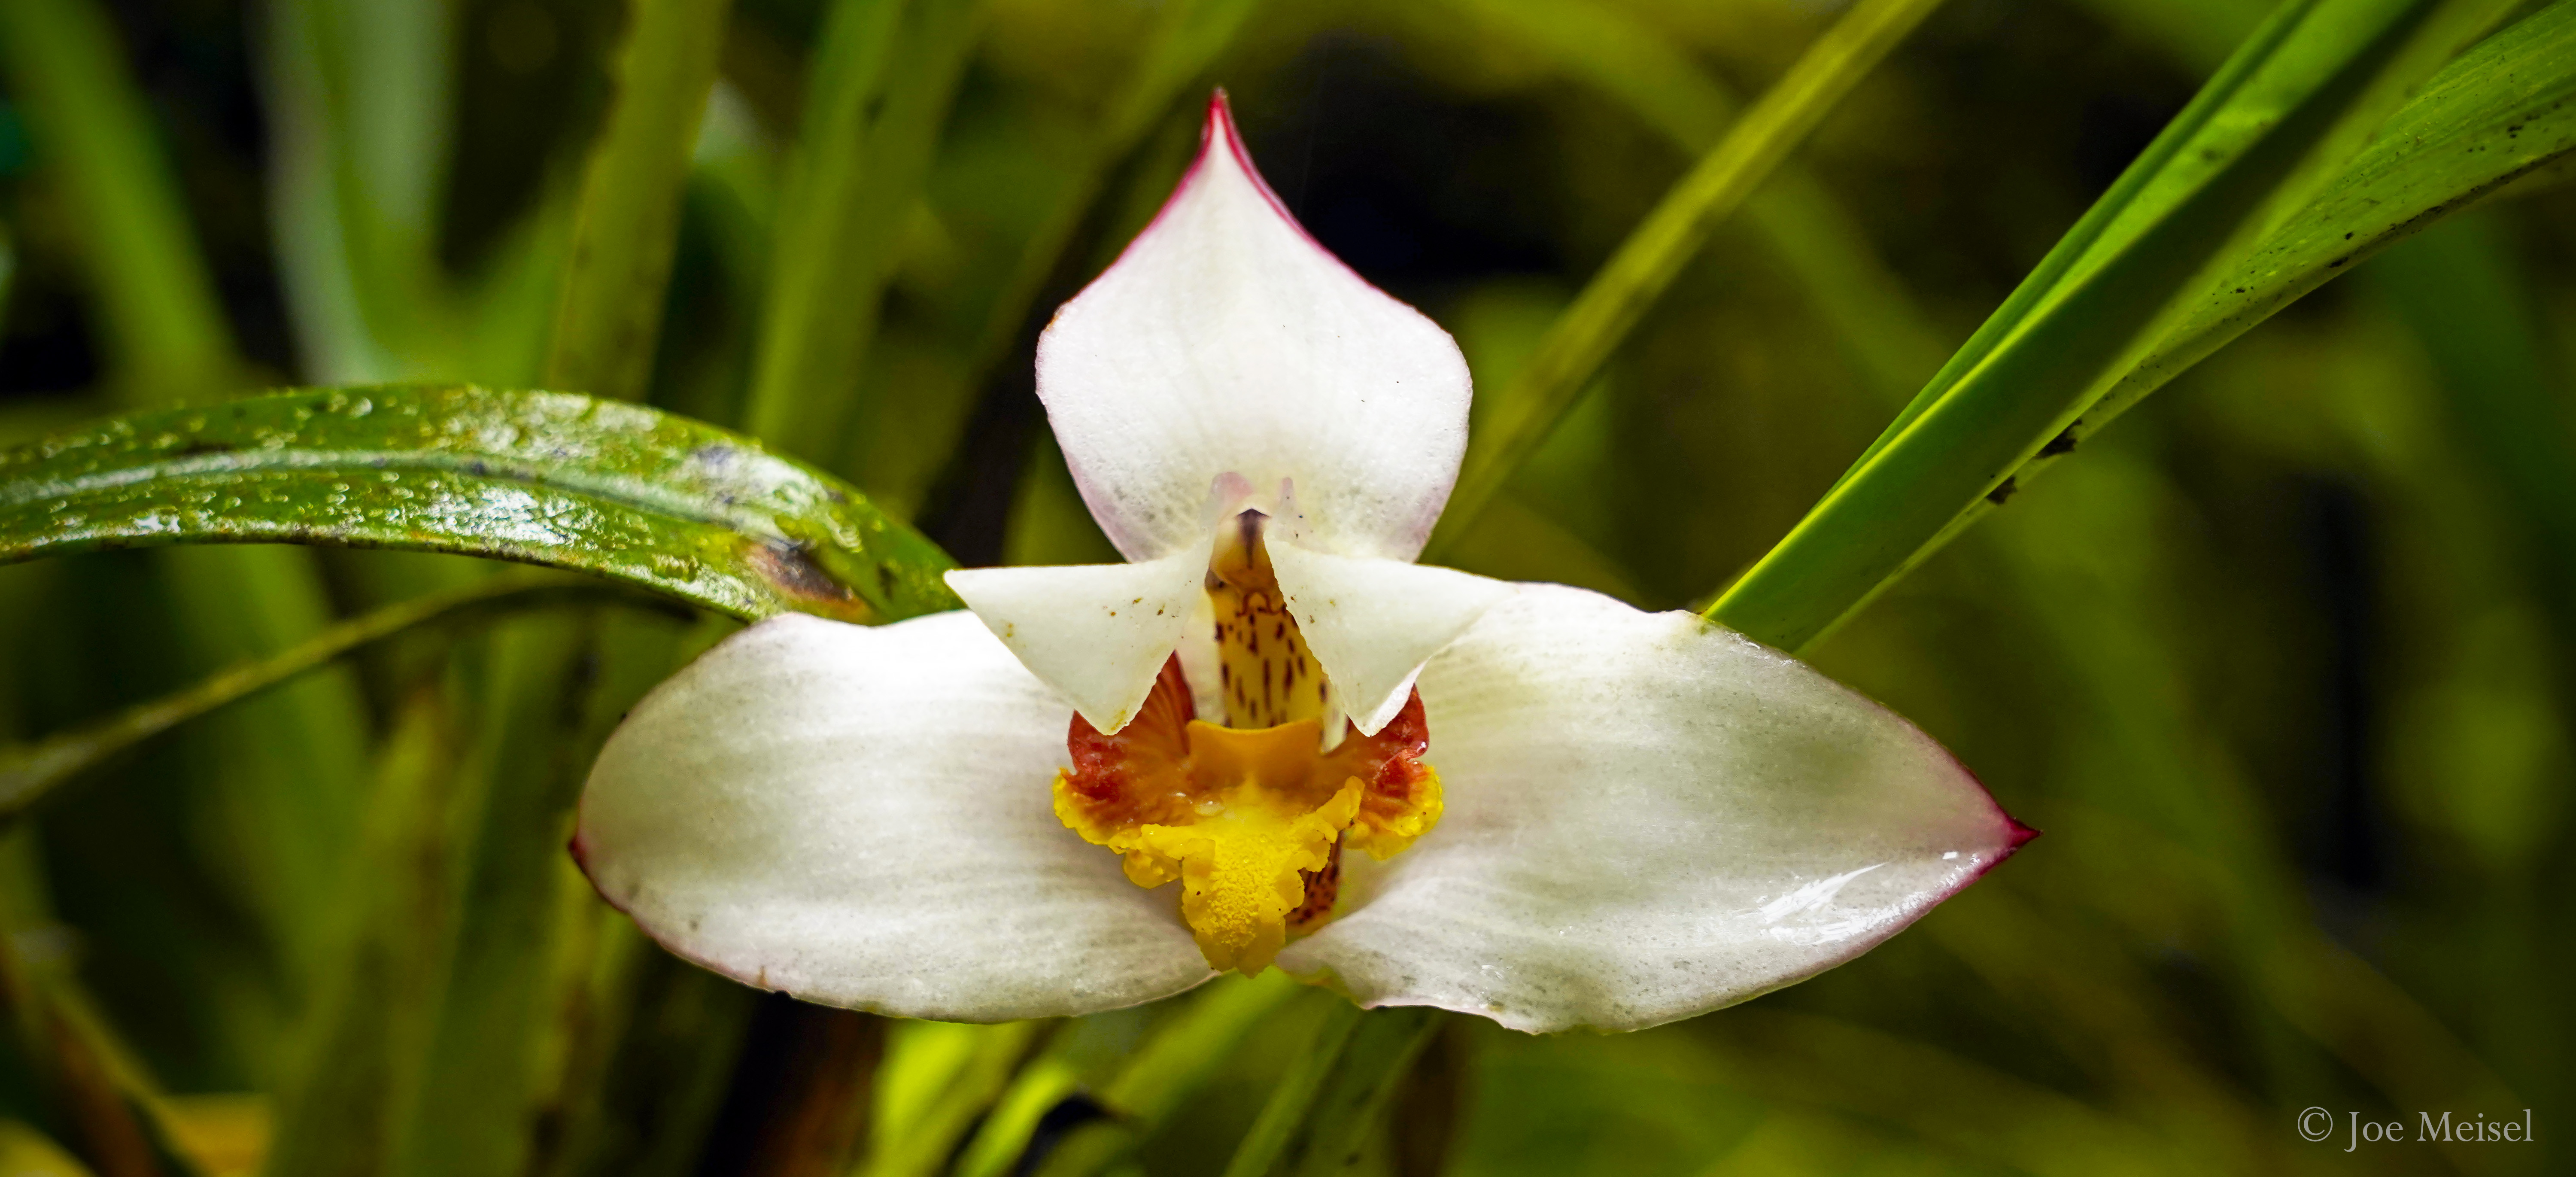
1220 133
2015 834
1220 116
1226 338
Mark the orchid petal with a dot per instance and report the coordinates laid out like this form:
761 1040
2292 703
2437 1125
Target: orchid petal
1373 623
1097 633
1224 340
1648 817
859 817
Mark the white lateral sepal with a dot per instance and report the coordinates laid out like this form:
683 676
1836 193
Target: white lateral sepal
857 816
1647 817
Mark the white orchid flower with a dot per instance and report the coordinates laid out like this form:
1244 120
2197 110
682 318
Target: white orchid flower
1636 817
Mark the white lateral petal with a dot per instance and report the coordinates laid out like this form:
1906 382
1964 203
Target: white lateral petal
861 817
1098 633
1373 623
1225 340
1648 818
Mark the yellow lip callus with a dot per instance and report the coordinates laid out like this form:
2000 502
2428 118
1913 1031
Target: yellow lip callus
1251 816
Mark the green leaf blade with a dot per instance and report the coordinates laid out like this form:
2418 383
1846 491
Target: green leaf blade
628 226
886 75
2505 109
2295 105
558 479
1655 252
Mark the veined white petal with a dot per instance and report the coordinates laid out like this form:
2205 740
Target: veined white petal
1226 340
861 817
1098 633
1372 623
1648 817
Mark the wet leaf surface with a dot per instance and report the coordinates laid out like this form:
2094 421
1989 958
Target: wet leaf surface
557 479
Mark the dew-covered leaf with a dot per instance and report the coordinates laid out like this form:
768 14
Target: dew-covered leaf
558 479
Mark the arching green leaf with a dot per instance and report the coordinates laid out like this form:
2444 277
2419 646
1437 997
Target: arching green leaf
558 479
2273 130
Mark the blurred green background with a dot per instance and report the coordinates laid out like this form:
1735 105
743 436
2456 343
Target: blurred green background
2279 662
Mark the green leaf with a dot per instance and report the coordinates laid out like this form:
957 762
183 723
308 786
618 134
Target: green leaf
359 103
1334 1095
897 446
2505 110
1187 37
1824 247
2283 115
367 1024
937 1080
568 481
883 81
465 1102
164 322
1174 1063
2198 33
1646 263
28 773
2465 290
278 776
629 218
543 712
2502 111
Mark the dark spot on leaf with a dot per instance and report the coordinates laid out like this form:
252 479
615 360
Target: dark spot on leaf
194 448
791 567
2001 493
2063 443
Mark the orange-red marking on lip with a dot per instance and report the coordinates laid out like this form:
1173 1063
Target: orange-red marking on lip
1251 820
